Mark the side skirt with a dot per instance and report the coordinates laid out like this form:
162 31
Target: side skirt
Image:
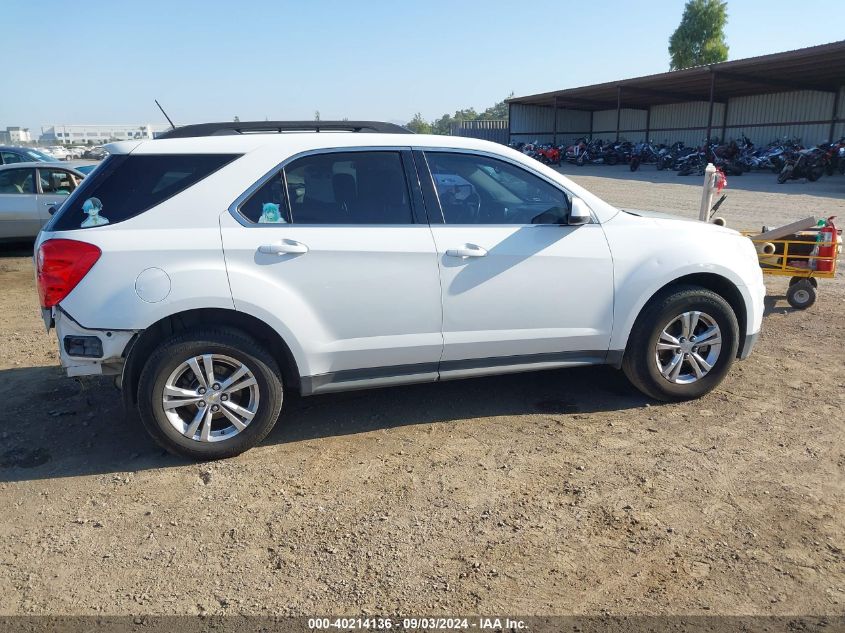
371 377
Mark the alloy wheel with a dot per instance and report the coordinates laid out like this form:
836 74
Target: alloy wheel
211 397
688 347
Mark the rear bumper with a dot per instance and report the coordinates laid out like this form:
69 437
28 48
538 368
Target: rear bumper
113 342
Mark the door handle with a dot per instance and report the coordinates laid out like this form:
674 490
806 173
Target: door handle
468 250
288 247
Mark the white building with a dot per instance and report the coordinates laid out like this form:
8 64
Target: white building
18 135
97 134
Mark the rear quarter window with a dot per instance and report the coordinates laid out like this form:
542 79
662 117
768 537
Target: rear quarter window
124 186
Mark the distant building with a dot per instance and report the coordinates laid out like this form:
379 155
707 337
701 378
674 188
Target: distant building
97 134
15 135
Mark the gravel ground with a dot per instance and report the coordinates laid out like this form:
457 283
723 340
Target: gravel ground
754 199
546 493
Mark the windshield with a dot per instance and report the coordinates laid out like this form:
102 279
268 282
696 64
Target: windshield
41 156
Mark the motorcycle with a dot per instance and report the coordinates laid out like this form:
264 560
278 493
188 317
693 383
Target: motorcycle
805 163
643 153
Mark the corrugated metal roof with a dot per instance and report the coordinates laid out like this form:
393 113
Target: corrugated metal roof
819 68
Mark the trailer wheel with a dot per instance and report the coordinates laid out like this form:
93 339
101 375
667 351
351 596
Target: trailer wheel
801 295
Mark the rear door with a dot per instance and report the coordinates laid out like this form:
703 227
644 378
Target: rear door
18 206
519 285
55 184
334 250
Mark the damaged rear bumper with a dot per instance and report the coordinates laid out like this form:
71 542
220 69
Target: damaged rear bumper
85 352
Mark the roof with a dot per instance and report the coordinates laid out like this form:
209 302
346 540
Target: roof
300 141
276 127
40 164
813 68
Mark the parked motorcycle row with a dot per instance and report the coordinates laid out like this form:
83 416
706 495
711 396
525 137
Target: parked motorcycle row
786 157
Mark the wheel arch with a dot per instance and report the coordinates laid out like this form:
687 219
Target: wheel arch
147 340
715 282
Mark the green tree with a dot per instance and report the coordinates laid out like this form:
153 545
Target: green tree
700 37
419 125
444 124
497 111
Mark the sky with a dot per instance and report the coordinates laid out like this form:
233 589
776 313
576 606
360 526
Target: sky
104 61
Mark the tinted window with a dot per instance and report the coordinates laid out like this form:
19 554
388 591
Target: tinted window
478 190
56 181
124 186
348 188
267 205
40 156
17 181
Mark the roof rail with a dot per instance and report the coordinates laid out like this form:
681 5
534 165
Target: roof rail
257 127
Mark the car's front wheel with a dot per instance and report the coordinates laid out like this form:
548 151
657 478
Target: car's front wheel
209 394
682 344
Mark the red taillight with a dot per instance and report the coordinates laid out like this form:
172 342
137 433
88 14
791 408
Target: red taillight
61 264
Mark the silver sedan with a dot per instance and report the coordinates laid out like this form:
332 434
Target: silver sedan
27 191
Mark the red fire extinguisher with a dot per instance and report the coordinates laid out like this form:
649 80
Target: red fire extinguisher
827 249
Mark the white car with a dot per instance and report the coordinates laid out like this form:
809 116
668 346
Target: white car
28 192
213 269
59 152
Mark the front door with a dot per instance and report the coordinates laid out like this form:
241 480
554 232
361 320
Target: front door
334 252
519 285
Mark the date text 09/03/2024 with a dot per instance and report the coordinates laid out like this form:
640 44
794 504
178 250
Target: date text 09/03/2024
411 623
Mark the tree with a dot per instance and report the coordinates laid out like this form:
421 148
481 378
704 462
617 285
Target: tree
699 38
419 125
444 124
316 115
497 111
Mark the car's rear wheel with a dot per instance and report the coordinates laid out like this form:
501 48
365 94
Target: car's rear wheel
682 344
209 394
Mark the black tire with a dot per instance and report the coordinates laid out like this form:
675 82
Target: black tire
801 295
184 345
640 360
783 176
634 164
686 170
661 164
815 172
580 161
611 159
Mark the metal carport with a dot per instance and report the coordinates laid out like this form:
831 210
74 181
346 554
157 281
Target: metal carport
801 90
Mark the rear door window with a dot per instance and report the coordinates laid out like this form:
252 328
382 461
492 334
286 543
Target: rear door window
352 188
56 181
124 186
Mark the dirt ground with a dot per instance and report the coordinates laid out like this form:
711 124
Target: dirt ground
545 493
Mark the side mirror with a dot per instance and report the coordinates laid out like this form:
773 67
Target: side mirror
579 213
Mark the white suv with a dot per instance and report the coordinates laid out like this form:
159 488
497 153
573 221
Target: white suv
211 270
